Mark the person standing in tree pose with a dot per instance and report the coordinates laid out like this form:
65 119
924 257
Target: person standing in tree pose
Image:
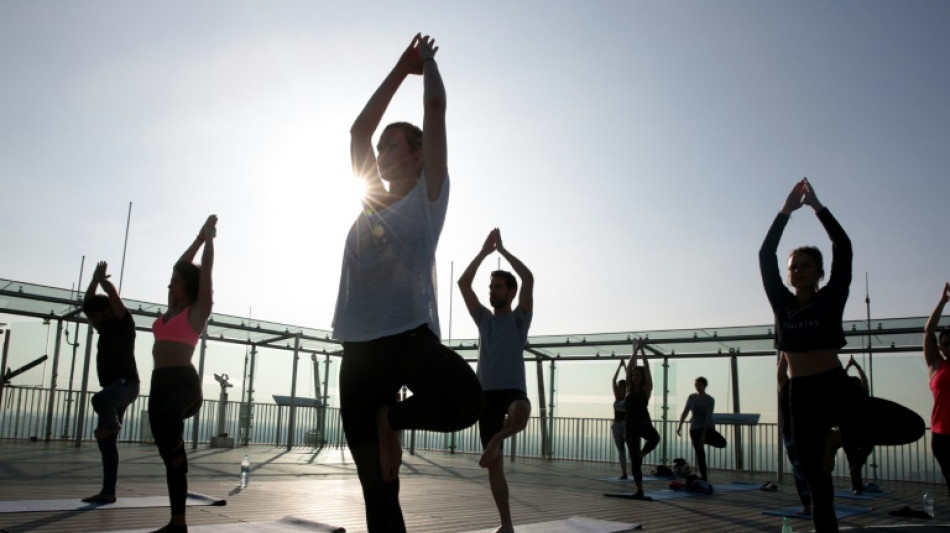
386 310
176 389
118 374
618 427
700 407
637 415
502 335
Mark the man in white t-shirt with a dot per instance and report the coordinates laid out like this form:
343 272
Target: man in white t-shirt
502 335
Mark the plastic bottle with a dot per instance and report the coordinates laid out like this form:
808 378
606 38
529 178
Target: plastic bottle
245 471
929 504
787 525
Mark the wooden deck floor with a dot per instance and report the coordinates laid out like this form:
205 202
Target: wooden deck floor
441 493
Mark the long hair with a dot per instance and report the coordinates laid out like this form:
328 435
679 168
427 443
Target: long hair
191 275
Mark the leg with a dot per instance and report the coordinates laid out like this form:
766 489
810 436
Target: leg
857 456
175 396
110 404
940 444
368 386
817 404
519 411
696 436
801 486
618 428
652 438
633 437
499 492
446 395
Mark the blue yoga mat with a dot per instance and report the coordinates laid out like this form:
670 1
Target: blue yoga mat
846 493
841 511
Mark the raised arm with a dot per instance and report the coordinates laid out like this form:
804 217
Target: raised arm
931 351
434 145
843 254
613 382
468 276
362 156
101 279
861 375
526 295
647 376
201 308
768 262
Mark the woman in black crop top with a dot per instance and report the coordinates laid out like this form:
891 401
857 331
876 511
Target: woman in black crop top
808 329
637 415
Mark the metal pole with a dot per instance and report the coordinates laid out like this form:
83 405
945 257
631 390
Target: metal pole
551 405
81 413
293 396
196 421
249 410
52 380
72 364
867 301
125 245
3 361
543 411
666 410
737 428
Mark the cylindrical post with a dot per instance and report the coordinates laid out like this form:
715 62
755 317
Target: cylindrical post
52 379
81 410
291 417
196 421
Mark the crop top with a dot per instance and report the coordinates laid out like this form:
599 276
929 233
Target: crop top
940 386
176 329
815 325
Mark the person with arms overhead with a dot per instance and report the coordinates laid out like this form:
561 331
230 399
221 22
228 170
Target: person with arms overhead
502 335
936 353
118 374
386 314
637 416
175 388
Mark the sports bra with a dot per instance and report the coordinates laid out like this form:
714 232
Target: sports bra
177 329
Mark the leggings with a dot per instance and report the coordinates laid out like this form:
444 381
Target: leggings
619 430
857 455
638 429
825 400
445 397
801 486
175 396
940 444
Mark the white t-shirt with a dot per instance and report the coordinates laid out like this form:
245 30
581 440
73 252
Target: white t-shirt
501 341
388 279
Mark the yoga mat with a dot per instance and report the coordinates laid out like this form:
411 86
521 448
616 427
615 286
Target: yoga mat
667 494
574 524
841 511
287 524
846 493
26 506
646 477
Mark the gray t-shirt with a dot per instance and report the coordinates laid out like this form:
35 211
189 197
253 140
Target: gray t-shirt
702 409
501 341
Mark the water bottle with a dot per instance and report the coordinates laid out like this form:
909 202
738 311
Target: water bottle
929 504
786 525
245 470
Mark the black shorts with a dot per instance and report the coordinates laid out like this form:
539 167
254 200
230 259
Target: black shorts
494 410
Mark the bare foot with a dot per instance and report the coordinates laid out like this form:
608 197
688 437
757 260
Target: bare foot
505 529
806 511
390 451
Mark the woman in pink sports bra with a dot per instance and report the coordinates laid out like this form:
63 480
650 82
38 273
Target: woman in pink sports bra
936 353
176 390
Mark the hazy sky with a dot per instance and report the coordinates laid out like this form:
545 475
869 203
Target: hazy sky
632 153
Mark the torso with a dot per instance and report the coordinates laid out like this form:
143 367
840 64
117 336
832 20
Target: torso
166 353
811 362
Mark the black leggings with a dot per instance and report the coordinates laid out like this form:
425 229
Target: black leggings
823 401
713 438
940 444
446 396
175 396
640 428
